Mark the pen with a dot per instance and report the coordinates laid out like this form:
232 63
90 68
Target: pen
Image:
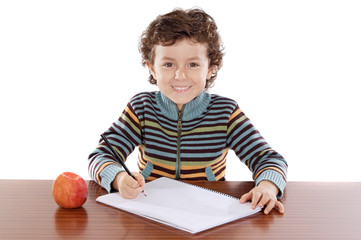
119 158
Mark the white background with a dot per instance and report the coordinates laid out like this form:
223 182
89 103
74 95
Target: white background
68 68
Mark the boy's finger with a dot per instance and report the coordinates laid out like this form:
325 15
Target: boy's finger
139 177
255 199
280 207
270 206
131 182
245 197
263 201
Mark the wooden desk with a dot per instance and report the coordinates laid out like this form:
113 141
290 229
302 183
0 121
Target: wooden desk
313 211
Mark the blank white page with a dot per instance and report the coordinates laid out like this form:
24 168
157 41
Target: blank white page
182 205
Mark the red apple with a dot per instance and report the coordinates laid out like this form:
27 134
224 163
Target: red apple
70 190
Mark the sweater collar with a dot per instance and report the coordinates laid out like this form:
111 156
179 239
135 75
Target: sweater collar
191 109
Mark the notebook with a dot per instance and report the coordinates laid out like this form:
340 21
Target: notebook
182 205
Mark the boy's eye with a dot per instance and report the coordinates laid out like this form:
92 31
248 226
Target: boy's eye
193 65
168 65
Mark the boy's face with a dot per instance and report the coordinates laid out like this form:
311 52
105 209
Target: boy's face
181 70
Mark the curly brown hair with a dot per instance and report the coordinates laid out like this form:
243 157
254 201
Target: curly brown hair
194 24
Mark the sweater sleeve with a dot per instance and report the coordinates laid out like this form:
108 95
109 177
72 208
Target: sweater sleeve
124 135
252 149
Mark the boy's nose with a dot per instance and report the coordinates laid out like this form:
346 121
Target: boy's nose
180 74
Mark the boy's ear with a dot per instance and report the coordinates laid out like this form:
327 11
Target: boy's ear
211 70
151 70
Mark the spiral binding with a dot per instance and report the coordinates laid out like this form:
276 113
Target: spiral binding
207 189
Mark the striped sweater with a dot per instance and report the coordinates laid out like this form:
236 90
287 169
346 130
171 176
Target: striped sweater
191 144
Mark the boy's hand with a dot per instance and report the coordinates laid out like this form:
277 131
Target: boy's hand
127 186
264 194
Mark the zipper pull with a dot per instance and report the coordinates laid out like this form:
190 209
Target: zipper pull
179 125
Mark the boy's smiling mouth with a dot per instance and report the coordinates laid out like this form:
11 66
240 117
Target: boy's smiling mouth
180 88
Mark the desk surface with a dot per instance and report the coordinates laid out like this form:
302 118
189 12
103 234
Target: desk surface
312 211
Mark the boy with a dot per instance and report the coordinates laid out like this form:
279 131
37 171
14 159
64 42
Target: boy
182 131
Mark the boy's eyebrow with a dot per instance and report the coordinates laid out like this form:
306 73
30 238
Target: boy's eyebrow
166 58
189 59
194 58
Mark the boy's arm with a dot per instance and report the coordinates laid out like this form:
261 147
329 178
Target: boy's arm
264 162
124 135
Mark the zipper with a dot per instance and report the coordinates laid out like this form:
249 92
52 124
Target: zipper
179 127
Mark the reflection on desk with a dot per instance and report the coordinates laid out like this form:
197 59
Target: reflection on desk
313 210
